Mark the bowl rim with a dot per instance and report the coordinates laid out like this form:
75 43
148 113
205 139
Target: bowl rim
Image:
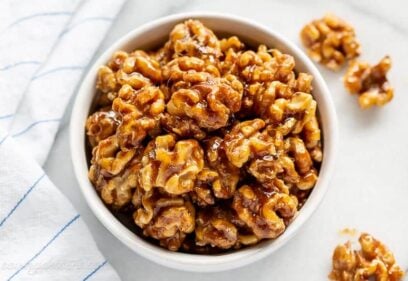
185 261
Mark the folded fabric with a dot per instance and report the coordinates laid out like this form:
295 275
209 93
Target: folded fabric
45 46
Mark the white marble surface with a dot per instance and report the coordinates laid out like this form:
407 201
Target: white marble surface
369 189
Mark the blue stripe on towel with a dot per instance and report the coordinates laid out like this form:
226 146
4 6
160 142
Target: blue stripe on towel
6 116
21 199
45 246
46 14
62 68
10 66
86 20
94 271
3 139
34 124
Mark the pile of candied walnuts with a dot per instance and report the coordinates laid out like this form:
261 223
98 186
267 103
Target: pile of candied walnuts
331 41
374 261
205 144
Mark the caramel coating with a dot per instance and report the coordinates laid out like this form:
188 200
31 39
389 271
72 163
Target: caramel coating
369 82
330 41
204 144
108 157
182 126
171 165
214 227
245 140
373 261
210 104
108 174
100 125
193 39
140 111
264 212
167 219
228 174
118 190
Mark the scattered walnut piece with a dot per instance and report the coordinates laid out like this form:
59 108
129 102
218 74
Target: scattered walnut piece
374 261
369 82
330 41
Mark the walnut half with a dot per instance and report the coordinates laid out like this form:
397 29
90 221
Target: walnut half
374 261
330 41
369 82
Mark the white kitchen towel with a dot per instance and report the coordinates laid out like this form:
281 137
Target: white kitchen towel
45 46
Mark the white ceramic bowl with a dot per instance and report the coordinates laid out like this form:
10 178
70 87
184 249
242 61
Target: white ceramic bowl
150 35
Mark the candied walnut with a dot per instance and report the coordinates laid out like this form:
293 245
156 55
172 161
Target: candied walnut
232 42
229 63
109 175
227 174
214 228
140 111
135 80
312 134
166 219
302 181
171 165
264 213
245 141
330 41
265 169
106 80
100 125
140 62
303 83
148 203
259 96
183 127
232 49
301 106
302 157
210 104
263 96
193 39
108 159
369 82
170 223
374 261
117 59
266 65
266 158
117 191
262 72
188 70
207 182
